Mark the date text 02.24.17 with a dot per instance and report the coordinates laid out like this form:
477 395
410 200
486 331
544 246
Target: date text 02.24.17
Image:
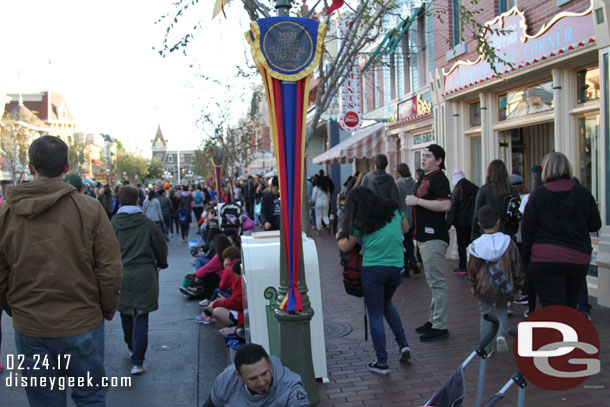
37 362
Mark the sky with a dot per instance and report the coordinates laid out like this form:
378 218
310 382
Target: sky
99 55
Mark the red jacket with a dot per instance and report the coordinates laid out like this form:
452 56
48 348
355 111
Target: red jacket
235 302
226 281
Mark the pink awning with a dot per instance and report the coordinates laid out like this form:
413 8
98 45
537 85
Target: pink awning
364 143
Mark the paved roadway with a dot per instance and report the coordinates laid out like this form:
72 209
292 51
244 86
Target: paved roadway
183 357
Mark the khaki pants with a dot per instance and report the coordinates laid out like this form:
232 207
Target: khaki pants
433 255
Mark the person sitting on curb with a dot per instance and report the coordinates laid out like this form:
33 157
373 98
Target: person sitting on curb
257 380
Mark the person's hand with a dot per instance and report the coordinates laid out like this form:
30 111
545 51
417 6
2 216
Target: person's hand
411 200
221 297
267 225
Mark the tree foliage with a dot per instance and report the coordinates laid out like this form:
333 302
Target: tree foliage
76 156
155 169
131 166
15 138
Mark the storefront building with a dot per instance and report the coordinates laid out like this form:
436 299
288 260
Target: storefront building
547 95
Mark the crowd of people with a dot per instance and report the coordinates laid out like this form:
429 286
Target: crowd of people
512 245
103 253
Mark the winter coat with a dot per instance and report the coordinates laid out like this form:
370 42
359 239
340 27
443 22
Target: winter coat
561 213
143 252
235 302
166 205
406 186
152 209
382 184
462 204
486 196
495 248
213 266
60 264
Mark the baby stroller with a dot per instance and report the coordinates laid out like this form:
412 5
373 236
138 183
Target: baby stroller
230 217
451 393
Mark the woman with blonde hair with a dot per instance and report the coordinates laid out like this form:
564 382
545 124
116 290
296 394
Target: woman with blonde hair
557 221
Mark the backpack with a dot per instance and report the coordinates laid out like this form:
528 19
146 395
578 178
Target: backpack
512 215
352 272
182 216
198 196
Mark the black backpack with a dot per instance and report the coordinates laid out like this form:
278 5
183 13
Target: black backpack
512 214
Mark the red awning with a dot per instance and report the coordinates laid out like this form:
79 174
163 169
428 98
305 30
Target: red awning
364 143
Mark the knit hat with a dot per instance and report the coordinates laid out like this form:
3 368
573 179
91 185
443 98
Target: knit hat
74 180
457 176
515 179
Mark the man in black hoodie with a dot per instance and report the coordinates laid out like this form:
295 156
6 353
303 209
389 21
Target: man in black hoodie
380 181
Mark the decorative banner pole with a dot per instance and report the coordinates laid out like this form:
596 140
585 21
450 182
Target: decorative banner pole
286 51
217 158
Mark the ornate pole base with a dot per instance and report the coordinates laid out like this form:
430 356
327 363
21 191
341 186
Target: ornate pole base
295 348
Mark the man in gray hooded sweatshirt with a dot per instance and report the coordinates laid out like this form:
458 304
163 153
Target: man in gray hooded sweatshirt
258 380
380 181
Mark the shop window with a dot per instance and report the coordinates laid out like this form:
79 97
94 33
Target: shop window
588 84
476 166
456 22
588 133
406 65
475 114
505 5
523 102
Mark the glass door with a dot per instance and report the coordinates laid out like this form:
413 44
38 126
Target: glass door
588 133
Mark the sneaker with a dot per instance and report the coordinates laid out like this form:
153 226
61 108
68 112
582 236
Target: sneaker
415 270
138 370
510 310
585 313
460 272
206 321
434 335
490 352
522 300
501 344
375 367
200 317
204 303
405 354
424 328
527 313
186 292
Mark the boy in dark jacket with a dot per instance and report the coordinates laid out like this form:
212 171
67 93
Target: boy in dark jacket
143 252
494 270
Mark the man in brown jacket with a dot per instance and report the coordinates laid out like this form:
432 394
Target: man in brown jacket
60 274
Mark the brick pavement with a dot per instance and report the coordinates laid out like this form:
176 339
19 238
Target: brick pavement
351 384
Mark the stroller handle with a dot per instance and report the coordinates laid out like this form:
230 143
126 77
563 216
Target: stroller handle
490 336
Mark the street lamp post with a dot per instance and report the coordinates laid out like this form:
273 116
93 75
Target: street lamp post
295 333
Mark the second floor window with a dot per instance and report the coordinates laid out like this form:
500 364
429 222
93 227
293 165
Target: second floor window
456 23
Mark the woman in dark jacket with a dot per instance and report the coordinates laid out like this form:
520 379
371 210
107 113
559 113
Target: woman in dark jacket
558 218
461 214
143 253
496 192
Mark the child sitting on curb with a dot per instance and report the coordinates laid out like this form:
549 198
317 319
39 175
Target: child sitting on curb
494 270
229 312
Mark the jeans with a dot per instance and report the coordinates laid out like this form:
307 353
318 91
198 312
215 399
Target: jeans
167 220
218 292
463 240
135 333
321 211
558 283
86 359
583 300
200 262
184 229
501 312
433 255
378 286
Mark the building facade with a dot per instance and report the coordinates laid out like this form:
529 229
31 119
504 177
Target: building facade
177 165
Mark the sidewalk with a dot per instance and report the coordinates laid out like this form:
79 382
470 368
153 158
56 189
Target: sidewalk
183 357
412 384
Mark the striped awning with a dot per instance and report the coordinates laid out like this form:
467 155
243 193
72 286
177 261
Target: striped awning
364 143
